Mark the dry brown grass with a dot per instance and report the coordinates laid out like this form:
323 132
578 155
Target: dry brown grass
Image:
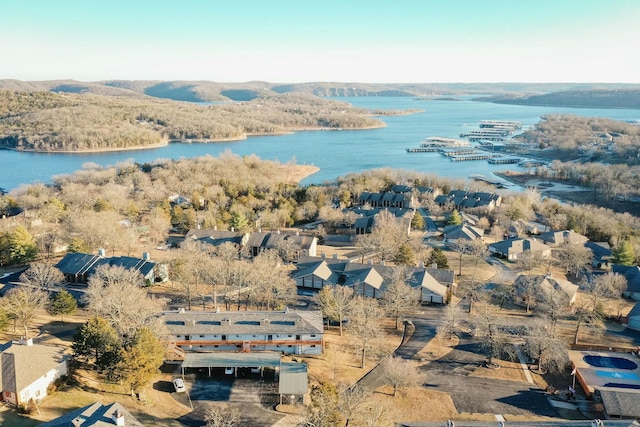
340 362
158 408
413 404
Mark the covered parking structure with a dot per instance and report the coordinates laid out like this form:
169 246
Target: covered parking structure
294 380
231 360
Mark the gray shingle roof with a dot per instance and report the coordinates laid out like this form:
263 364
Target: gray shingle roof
620 403
94 415
289 322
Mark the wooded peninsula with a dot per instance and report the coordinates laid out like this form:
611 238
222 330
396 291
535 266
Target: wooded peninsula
46 121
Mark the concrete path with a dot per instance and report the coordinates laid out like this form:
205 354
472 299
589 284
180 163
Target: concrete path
523 363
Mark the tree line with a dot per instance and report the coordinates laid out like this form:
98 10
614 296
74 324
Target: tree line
586 137
44 121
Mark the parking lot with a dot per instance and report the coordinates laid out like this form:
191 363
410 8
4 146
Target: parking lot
254 396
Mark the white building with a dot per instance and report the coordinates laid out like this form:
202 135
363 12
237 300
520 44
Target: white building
289 331
27 370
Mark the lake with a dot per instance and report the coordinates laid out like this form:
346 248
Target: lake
336 153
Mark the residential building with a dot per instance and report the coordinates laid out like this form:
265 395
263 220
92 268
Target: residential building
96 415
78 267
370 279
288 331
400 198
462 199
543 287
568 237
632 274
512 249
27 370
602 255
633 318
295 244
461 233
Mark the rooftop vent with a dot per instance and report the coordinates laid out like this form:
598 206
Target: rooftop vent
118 418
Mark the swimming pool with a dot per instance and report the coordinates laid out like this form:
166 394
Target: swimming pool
618 375
610 362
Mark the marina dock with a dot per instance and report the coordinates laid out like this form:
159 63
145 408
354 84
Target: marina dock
504 160
477 156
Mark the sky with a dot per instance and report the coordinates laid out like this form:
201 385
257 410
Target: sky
293 41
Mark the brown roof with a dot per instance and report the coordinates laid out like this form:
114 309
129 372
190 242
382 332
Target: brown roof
23 364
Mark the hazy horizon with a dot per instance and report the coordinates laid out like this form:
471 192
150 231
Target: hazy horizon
426 41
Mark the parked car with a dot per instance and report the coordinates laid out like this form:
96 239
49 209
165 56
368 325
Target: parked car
228 371
178 385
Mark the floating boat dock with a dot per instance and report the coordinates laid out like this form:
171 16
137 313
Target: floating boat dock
505 160
449 152
434 144
477 156
531 163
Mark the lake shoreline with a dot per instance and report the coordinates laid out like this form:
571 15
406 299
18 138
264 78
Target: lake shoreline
186 141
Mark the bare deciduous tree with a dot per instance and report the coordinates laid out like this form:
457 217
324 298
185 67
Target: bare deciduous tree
364 324
398 372
42 276
352 401
398 298
222 415
549 351
335 301
117 295
23 304
573 258
487 329
270 281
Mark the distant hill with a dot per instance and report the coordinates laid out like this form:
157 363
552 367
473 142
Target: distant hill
208 91
618 98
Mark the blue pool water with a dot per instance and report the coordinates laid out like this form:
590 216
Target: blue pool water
618 375
610 362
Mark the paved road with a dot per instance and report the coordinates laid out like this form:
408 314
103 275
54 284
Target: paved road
452 374
503 273
419 330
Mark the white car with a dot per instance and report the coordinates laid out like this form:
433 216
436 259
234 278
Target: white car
228 371
178 385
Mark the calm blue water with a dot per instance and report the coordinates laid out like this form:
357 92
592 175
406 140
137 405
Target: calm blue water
618 375
336 153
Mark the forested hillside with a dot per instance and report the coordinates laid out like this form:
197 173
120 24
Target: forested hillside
598 138
606 98
208 91
46 121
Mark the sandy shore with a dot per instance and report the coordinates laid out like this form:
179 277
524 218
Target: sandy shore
296 173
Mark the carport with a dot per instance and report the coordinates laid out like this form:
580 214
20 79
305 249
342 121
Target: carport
293 379
231 360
